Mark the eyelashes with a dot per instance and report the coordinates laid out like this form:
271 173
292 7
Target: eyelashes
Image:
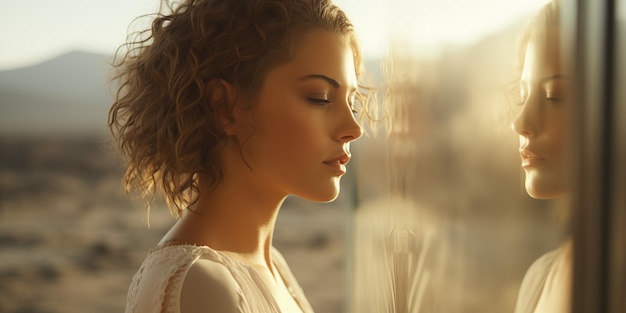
519 93
321 102
549 97
318 101
554 97
554 100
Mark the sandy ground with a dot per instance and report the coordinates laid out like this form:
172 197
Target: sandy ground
71 240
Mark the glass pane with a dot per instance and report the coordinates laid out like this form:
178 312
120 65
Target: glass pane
443 221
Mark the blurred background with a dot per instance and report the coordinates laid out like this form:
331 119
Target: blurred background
433 214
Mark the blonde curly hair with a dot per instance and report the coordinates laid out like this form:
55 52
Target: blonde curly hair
162 119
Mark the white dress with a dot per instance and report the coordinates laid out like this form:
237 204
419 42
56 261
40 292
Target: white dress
547 284
157 285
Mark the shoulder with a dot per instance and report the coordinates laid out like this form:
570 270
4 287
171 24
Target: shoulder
277 256
539 270
534 280
183 279
209 284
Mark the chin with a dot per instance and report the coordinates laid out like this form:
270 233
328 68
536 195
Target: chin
540 195
322 195
543 190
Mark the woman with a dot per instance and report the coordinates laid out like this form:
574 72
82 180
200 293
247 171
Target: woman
227 108
542 126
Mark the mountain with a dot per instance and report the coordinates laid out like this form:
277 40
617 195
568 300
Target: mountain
66 95
70 94
62 96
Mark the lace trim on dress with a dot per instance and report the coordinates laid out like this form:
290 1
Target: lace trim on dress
173 261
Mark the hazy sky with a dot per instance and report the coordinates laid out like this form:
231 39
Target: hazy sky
35 30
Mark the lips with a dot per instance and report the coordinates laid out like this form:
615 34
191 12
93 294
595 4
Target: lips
343 159
338 163
529 158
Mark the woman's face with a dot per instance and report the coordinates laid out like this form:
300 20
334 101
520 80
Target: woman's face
303 120
542 121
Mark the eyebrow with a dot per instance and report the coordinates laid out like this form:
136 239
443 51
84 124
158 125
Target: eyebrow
329 80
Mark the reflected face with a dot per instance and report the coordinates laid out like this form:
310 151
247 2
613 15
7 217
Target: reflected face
542 120
304 121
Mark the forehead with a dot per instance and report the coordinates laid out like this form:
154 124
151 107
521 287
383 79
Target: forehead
320 52
542 57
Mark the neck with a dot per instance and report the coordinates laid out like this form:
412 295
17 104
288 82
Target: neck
237 217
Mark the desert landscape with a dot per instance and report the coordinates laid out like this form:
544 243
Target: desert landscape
70 238
432 213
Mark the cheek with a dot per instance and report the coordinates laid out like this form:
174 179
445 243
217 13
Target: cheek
292 128
293 134
560 134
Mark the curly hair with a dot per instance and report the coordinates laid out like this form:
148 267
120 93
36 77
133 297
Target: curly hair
162 119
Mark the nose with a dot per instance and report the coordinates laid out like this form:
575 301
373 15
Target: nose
527 121
350 129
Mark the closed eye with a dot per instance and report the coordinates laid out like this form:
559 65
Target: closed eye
318 101
554 99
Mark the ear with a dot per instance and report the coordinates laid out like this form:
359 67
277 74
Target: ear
222 98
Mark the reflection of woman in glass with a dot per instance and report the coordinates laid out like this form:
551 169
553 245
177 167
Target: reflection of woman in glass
228 108
542 126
